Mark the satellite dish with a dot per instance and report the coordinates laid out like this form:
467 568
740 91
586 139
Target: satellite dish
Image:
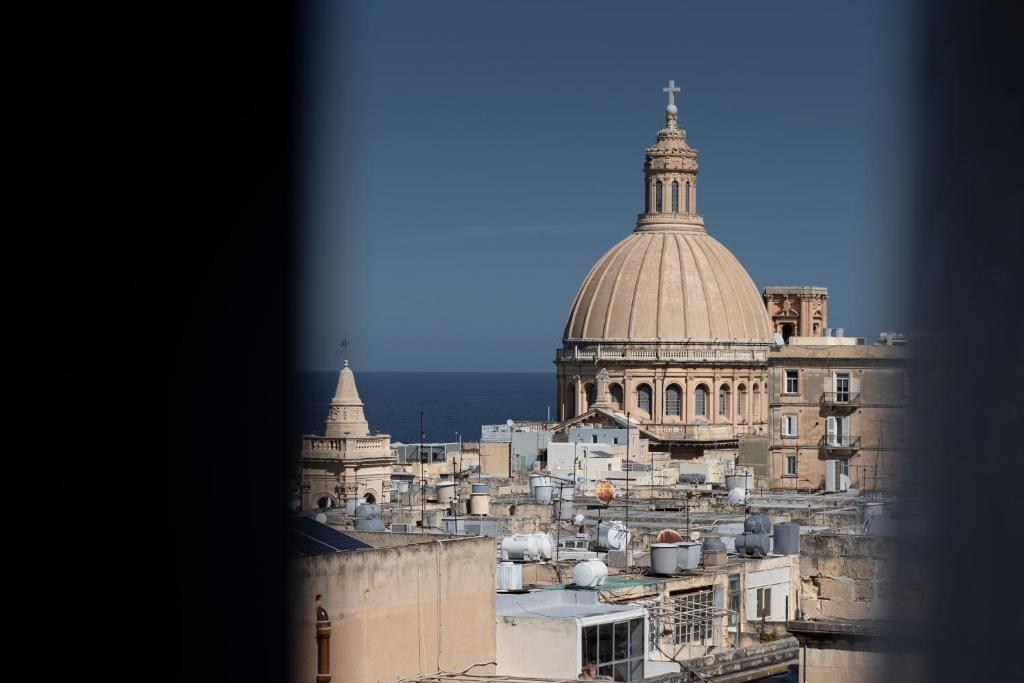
694 535
510 422
578 520
321 517
604 491
737 496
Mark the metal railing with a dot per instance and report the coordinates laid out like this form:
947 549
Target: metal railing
839 399
839 442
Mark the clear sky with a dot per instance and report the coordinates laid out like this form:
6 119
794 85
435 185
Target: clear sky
465 163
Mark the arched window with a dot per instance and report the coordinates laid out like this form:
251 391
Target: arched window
657 196
700 401
643 398
755 403
570 400
673 400
370 498
675 196
647 199
741 402
687 198
325 502
591 394
616 392
723 401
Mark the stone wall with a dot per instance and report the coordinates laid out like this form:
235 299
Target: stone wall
845 576
396 612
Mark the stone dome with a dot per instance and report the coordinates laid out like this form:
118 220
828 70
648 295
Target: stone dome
668 284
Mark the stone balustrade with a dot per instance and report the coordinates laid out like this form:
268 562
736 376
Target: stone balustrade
725 352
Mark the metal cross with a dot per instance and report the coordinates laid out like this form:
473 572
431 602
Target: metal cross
671 90
344 348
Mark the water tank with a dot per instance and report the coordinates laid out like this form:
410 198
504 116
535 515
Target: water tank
368 518
664 557
566 491
739 479
539 480
668 536
737 496
350 505
787 538
526 547
757 523
713 552
688 555
481 488
509 576
692 478
445 491
479 503
753 545
542 494
589 574
563 509
612 536
366 511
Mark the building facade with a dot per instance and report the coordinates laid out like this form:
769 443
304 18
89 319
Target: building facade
838 414
671 316
797 311
346 463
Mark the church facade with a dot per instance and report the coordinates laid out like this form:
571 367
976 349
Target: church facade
670 318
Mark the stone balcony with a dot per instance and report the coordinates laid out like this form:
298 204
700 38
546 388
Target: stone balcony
341 446
840 401
839 444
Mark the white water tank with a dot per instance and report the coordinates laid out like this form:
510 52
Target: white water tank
445 491
612 535
509 576
479 503
526 547
542 494
589 574
737 496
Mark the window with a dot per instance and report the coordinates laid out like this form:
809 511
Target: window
700 401
687 198
792 382
696 627
837 430
791 465
675 196
788 425
756 405
734 599
764 603
842 381
615 650
643 398
593 438
570 400
673 400
616 392
741 400
723 401
591 394
657 196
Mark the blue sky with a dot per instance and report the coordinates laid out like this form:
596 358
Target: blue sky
465 163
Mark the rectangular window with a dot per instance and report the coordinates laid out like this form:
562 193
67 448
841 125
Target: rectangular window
842 380
615 650
792 382
791 465
734 599
788 425
764 603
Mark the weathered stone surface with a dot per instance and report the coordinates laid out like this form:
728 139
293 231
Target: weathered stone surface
835 589
863 589
843 609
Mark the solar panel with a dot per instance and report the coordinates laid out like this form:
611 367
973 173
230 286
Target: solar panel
309 537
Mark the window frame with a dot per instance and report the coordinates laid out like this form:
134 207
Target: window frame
790 420
794 376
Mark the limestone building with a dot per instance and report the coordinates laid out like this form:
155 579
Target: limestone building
671 318
347 463
837 404
797 311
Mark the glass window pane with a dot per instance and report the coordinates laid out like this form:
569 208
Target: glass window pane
636 638
590 645
621 672
604 642
605 670
636 670
621 639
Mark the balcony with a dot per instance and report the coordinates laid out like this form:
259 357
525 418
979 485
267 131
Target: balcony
840 401
839 444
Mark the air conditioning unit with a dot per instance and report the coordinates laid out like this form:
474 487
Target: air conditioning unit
402 528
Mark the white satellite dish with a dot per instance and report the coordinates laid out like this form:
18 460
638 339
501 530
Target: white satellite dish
510 422
578 520
321 517
737 496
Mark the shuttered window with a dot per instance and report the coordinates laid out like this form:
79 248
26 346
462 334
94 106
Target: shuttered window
673 400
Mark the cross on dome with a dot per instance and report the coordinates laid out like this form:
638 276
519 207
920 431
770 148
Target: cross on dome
671 90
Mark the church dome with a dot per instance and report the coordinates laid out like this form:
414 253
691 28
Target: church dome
669 281
670 286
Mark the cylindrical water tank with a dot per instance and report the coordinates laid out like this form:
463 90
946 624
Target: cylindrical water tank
757 523
787 539
753 545
366 510
567 492
688 555
713 554
445 491
739 480
526 547
737 496
563 509
612 535
509 576
589 574
481 488
664 557
479 503
542 494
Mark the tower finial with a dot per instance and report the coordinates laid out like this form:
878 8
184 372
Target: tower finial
671 90
344 350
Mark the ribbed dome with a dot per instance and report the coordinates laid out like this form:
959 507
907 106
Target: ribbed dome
671 286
